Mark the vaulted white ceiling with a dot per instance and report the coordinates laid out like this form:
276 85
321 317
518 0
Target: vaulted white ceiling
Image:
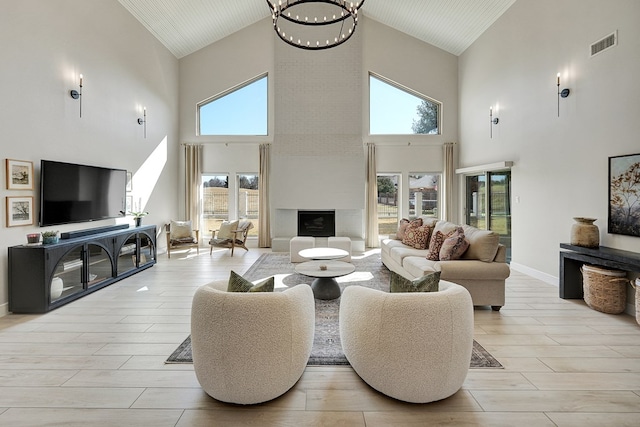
185 26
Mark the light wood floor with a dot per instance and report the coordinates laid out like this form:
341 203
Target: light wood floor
100 362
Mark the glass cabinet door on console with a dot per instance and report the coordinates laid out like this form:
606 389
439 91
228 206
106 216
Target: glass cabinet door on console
147 250
99 265
66 279
127 258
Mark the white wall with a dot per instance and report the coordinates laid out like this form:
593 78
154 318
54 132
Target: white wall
319 108
560 162
45 46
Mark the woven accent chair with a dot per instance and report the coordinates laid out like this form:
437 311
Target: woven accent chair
180 235
231 235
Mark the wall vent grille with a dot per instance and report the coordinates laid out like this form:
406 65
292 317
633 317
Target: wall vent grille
603 44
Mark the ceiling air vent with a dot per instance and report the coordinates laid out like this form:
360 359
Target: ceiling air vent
604 44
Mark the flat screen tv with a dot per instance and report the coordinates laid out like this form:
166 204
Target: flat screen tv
77 193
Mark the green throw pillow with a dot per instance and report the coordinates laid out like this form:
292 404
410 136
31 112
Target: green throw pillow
428 283
238 283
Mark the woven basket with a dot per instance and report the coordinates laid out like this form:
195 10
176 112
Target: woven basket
604 290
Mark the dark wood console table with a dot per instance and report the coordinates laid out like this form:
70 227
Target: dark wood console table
575 256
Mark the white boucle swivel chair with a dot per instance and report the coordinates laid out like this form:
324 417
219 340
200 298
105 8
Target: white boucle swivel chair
414 347
250 347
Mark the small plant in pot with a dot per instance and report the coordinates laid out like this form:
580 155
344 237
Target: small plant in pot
49 237
137 217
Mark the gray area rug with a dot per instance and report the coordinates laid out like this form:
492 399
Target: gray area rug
327 349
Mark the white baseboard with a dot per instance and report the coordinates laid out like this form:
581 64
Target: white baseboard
547 278
4 309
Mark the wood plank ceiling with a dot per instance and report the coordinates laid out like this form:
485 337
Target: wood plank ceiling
185 26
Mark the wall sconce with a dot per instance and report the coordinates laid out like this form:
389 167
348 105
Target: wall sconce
561 93
77 95
143 120
492 121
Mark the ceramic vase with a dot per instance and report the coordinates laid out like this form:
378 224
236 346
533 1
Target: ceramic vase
585 233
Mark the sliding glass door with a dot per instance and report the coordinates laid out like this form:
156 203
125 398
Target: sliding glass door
488 206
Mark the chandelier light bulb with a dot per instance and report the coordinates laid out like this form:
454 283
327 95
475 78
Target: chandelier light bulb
329 26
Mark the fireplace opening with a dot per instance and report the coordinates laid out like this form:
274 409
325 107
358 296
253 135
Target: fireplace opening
317 223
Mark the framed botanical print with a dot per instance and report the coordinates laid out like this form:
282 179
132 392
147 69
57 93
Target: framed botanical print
19 211
624 195
19 175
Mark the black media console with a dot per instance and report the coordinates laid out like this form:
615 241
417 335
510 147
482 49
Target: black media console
574 257
44 277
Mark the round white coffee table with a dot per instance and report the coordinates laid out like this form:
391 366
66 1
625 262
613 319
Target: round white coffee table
323 253
325 286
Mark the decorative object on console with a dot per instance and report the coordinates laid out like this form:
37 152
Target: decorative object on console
19 211
143 120
585 233
314 24
137 217
49 237
77 94
19 174
624 195
33 238
561 93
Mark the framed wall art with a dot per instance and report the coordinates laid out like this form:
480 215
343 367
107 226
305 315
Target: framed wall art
19 174
624 195
19 211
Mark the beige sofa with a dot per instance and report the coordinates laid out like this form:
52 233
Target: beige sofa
482 269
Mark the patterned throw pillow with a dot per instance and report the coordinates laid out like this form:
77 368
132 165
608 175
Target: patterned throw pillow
238 283
454 246
417 236
434 246
428 283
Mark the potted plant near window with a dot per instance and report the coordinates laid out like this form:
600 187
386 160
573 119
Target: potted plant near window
137 217
49 237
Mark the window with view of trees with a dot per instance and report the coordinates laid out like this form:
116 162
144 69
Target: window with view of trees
387 203
215 202
241 110
396 110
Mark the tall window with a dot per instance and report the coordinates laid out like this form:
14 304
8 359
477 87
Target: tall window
397 110
215 202
423 194
388 203
241 110
248 196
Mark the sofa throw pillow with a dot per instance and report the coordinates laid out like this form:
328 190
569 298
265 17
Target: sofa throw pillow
454 246
181 230
417 236
226 230
428 283
238 283
402 227
435 244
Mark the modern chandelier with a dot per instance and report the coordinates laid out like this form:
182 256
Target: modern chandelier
314 24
